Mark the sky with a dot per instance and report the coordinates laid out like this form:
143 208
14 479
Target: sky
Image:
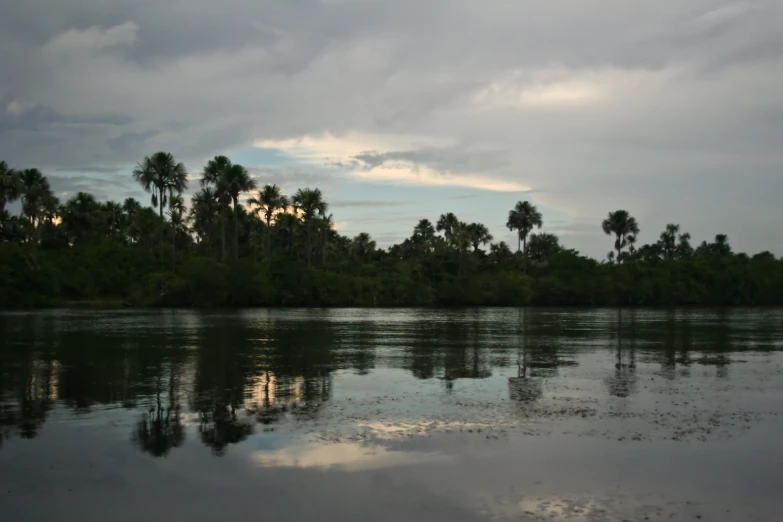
405 109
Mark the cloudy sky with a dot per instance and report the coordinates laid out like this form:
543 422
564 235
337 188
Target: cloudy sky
404 109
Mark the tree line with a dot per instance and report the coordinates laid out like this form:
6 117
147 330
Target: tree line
284 250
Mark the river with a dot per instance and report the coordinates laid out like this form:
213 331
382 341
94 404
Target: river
391 414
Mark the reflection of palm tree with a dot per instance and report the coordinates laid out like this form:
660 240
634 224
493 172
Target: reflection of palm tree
159 431
521 388
623 382
220 427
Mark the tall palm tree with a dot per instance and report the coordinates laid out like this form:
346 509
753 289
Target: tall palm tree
205 210
423 238
324 226
286 225
229 180
461 240
311 204
35 187
115 219
523 218
269 201
38 202
448 224
668 240
621 224
10 185
162 176
479 235
176 212
237 181
214 176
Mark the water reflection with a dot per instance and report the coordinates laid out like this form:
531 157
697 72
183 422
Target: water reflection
232 374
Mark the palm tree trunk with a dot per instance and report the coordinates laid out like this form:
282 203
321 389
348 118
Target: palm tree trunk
308 245
619 249
223 237
526 254
174 246
160 203
268 235
236 229
519 243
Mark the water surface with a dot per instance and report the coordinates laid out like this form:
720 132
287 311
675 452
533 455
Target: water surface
489 414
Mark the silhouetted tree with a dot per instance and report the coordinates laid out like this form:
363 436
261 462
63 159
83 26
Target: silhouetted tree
621 224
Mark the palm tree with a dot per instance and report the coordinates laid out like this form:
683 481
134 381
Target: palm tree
176 211
499 251
424 231
214 176
523 218
543 245
479 235
229 181
38 202
324 226
270 200
363 246
10 185
237 180
286 226
205 208
311 204
116 220
621 224
684 248
162 176
131 207
83 217
631 240
668 240
448 224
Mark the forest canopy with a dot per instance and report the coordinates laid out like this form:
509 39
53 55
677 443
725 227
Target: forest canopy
283 249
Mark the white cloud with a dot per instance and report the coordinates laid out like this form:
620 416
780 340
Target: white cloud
327 149
347 456
92 39
724 14
17 107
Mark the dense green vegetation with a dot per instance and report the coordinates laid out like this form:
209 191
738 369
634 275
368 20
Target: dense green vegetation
285 251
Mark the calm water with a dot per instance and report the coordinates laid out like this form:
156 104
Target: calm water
358 415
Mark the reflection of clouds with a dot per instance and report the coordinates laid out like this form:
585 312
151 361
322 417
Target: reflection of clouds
267 388
574 508
348 456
